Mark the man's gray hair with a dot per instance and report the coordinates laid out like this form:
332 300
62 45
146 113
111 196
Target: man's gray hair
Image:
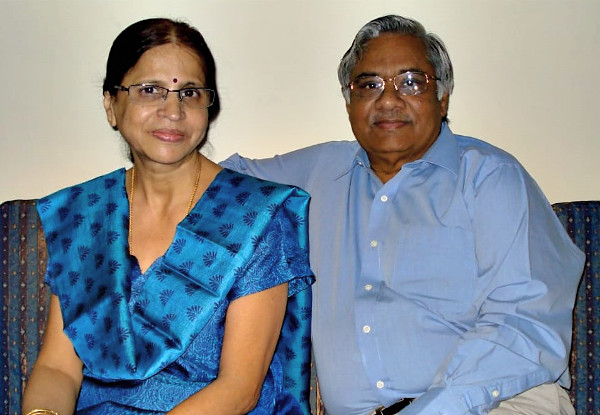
436 51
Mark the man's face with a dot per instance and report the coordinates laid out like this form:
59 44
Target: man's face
395 129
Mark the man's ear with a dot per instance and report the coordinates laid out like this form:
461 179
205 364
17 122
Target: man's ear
444 102
108 107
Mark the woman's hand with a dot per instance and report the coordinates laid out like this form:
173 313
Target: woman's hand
252 328
57 374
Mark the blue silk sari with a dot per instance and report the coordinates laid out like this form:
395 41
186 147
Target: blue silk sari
150 340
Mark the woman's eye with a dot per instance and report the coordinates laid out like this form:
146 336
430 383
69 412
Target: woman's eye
149 90
190 93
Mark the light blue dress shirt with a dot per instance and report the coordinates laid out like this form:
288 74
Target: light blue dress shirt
453 282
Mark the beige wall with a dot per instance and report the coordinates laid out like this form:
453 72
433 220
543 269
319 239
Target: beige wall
527 80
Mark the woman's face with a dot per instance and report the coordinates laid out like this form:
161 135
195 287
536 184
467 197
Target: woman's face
168 131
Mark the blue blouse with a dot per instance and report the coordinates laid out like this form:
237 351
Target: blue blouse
150 340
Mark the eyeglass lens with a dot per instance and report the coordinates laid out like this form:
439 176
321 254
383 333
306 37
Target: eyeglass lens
406 83
154 94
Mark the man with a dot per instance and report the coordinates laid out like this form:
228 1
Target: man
442 272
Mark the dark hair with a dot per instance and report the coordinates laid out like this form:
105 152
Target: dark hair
142 36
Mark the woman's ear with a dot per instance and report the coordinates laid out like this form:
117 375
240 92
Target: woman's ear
108 107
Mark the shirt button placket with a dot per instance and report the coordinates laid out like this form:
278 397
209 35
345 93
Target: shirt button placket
370 290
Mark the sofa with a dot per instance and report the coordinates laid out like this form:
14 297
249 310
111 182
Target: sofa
25 301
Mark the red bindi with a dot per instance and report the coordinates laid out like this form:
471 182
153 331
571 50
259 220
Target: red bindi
174 80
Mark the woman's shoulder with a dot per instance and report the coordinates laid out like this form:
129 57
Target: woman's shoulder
100 183
87 195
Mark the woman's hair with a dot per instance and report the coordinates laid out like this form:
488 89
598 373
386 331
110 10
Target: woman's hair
142 36
436 51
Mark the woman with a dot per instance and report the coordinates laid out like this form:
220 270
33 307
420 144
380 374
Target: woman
170 280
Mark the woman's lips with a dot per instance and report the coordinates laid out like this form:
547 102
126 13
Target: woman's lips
168 135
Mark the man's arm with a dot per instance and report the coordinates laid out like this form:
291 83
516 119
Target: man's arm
303 168
528 275
282 169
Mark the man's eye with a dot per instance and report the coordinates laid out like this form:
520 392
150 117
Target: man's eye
415 82
368 84
409 83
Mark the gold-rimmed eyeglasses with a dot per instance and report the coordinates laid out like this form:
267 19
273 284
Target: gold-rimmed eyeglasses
148 94
406 83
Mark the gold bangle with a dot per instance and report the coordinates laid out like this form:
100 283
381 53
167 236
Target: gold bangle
42 412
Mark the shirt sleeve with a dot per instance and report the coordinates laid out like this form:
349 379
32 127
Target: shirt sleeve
291 168
528 273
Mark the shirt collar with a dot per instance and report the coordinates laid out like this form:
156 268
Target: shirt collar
360 159
443 153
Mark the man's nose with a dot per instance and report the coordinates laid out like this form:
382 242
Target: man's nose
390 94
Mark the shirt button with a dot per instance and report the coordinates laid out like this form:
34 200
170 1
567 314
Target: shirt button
368 287
367 329
495 393
384 198
380 384
373 244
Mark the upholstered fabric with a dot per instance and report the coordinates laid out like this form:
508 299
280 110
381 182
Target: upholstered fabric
582 221
24 301
24 298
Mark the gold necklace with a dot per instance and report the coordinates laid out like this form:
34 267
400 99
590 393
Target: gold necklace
132 188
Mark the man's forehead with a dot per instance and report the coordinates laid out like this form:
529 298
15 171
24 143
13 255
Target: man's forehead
392 51
386 39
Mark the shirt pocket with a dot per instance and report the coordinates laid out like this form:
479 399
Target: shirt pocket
436 268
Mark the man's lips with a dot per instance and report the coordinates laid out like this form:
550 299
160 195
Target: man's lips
168 135
390 123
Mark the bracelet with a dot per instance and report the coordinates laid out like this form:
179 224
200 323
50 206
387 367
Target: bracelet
42 412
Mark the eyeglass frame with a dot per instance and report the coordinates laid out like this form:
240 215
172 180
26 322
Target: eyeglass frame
167 90
350 85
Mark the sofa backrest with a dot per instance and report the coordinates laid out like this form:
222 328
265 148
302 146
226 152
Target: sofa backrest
24 298
582 222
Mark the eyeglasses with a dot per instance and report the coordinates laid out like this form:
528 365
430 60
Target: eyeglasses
406 83
148 94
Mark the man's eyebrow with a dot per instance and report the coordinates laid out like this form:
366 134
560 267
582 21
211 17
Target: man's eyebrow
403 70
367 74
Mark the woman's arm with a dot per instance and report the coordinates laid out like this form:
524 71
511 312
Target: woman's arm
252 328
57 374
